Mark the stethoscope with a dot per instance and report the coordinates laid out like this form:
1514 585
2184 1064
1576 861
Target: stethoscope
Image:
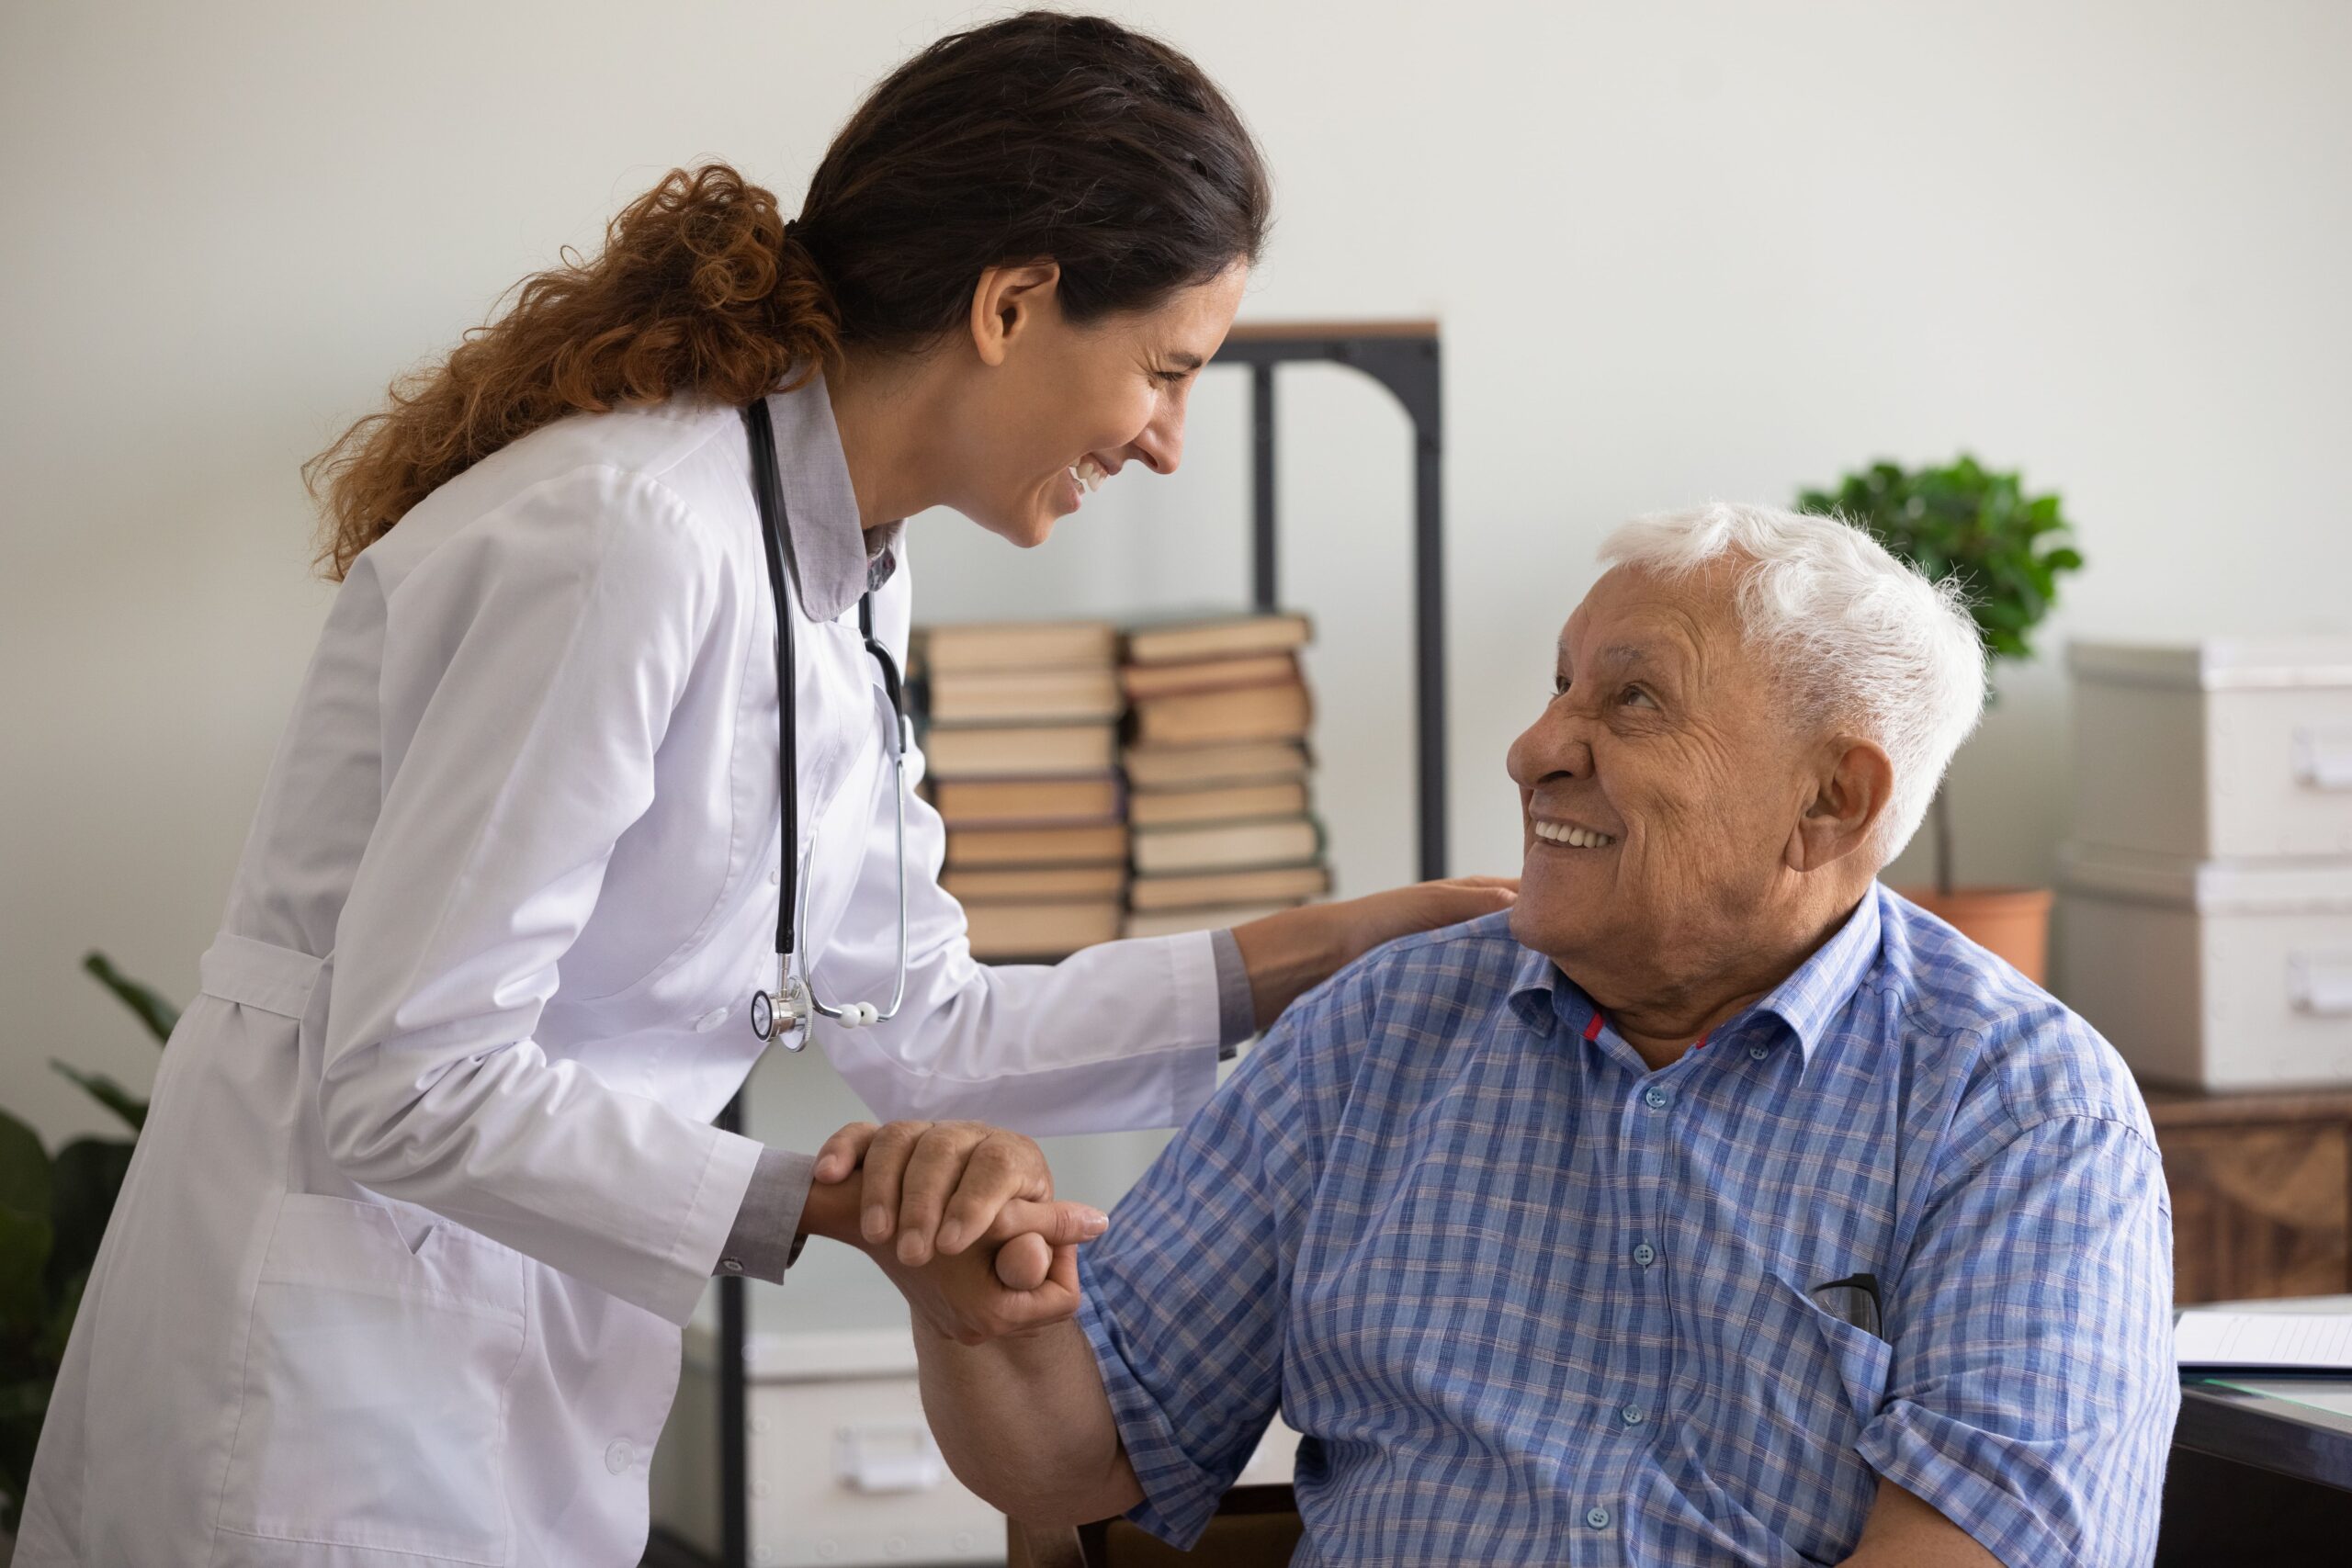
783 1015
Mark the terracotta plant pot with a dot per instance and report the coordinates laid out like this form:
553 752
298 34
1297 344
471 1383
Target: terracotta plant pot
2012 922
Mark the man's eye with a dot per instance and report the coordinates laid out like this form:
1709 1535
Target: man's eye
1559 686
1632 697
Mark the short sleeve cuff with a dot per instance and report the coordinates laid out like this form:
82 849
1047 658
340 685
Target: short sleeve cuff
1179 1497
1949 1465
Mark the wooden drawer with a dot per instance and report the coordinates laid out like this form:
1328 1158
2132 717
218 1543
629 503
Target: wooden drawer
2261 1194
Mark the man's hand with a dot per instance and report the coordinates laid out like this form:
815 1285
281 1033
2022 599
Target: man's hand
1011 1284
1291 953
940 1185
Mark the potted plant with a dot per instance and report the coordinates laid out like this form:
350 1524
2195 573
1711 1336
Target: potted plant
2009 549
53 1212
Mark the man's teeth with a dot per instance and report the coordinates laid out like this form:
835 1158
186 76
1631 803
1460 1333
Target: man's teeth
1576 837
1089 474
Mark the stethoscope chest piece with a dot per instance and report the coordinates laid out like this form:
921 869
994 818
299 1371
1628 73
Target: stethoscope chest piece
778 1018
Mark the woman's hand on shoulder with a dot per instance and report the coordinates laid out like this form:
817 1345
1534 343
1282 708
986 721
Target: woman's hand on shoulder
1291 953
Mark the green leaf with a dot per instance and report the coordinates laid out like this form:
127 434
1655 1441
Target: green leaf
24 1168
109 1093
86 1178
24 1266
158 1015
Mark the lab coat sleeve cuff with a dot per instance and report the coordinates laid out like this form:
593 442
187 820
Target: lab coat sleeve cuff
701 1232
1237 1000
764 1243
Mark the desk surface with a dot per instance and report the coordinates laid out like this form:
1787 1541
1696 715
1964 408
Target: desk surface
2295 1427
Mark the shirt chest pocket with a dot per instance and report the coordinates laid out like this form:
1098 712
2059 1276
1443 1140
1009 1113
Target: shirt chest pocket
374 1411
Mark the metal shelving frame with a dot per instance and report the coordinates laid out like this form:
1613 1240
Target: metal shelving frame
1402 357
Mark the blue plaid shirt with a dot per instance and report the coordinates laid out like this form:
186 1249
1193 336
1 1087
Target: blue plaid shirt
1530 1301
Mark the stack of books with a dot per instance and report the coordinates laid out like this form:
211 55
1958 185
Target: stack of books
1021 748
1216 767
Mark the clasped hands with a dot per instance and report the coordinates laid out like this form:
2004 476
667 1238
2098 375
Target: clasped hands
962 1217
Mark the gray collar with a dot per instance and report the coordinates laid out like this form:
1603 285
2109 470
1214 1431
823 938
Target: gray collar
834 560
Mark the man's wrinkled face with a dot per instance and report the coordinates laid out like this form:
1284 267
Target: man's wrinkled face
1660 787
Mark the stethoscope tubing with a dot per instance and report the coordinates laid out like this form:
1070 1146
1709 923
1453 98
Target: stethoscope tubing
783 1016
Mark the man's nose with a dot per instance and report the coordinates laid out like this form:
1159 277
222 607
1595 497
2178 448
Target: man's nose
1553 746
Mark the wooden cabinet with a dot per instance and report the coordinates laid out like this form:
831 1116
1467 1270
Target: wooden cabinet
2261 1191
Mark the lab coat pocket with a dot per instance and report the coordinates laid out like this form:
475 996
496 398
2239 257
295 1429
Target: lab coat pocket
375 1386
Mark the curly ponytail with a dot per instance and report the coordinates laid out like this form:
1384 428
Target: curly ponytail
1043 136
700 285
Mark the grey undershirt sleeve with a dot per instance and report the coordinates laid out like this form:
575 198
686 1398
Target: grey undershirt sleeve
1237 1003
762 1245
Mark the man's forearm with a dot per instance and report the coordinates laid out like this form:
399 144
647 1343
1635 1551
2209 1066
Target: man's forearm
1025 1423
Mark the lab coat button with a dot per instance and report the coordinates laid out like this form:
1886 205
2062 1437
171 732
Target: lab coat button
620 1455
710 1021
775 876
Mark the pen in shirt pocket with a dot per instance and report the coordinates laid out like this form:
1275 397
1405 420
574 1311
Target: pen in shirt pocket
1854 1299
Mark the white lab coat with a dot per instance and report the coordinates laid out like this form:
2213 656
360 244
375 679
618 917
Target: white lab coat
429 1184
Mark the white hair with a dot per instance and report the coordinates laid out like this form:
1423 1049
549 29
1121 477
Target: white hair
1860 640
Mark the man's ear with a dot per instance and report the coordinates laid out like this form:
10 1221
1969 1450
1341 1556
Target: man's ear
1005 304
1849 798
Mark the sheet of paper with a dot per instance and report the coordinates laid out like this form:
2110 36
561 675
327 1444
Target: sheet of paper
2321 1342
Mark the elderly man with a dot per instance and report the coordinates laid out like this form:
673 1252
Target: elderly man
1712 1205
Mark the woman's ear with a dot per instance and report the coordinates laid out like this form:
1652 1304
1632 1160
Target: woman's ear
1848 800
1006 303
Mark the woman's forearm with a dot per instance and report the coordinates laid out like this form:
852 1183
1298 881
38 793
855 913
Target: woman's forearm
1024 1422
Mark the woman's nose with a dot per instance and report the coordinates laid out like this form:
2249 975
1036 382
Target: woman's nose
1161 445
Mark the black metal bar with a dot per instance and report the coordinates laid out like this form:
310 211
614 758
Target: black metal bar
1262 586
1428 626
1409 365
734 1414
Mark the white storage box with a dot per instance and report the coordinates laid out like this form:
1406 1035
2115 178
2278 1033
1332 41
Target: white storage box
844 1469
2224 750
2213 976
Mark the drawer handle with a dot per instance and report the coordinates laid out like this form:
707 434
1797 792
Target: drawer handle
2320 982
887 1456
2324 756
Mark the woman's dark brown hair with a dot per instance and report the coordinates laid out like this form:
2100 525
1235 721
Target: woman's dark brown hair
1041 137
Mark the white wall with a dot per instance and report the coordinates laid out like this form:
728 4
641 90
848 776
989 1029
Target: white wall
1680 252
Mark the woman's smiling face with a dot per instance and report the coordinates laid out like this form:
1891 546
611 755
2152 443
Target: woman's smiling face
1057 408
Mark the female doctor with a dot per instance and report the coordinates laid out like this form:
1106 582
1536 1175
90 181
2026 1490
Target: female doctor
430 1181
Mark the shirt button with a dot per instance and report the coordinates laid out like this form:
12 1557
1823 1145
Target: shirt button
1633 1415
1655 1099
1758 1053
775 876
1596 1517
1644 1253
619 1456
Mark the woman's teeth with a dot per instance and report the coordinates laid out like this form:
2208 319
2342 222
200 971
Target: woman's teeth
1089 475
1575 837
